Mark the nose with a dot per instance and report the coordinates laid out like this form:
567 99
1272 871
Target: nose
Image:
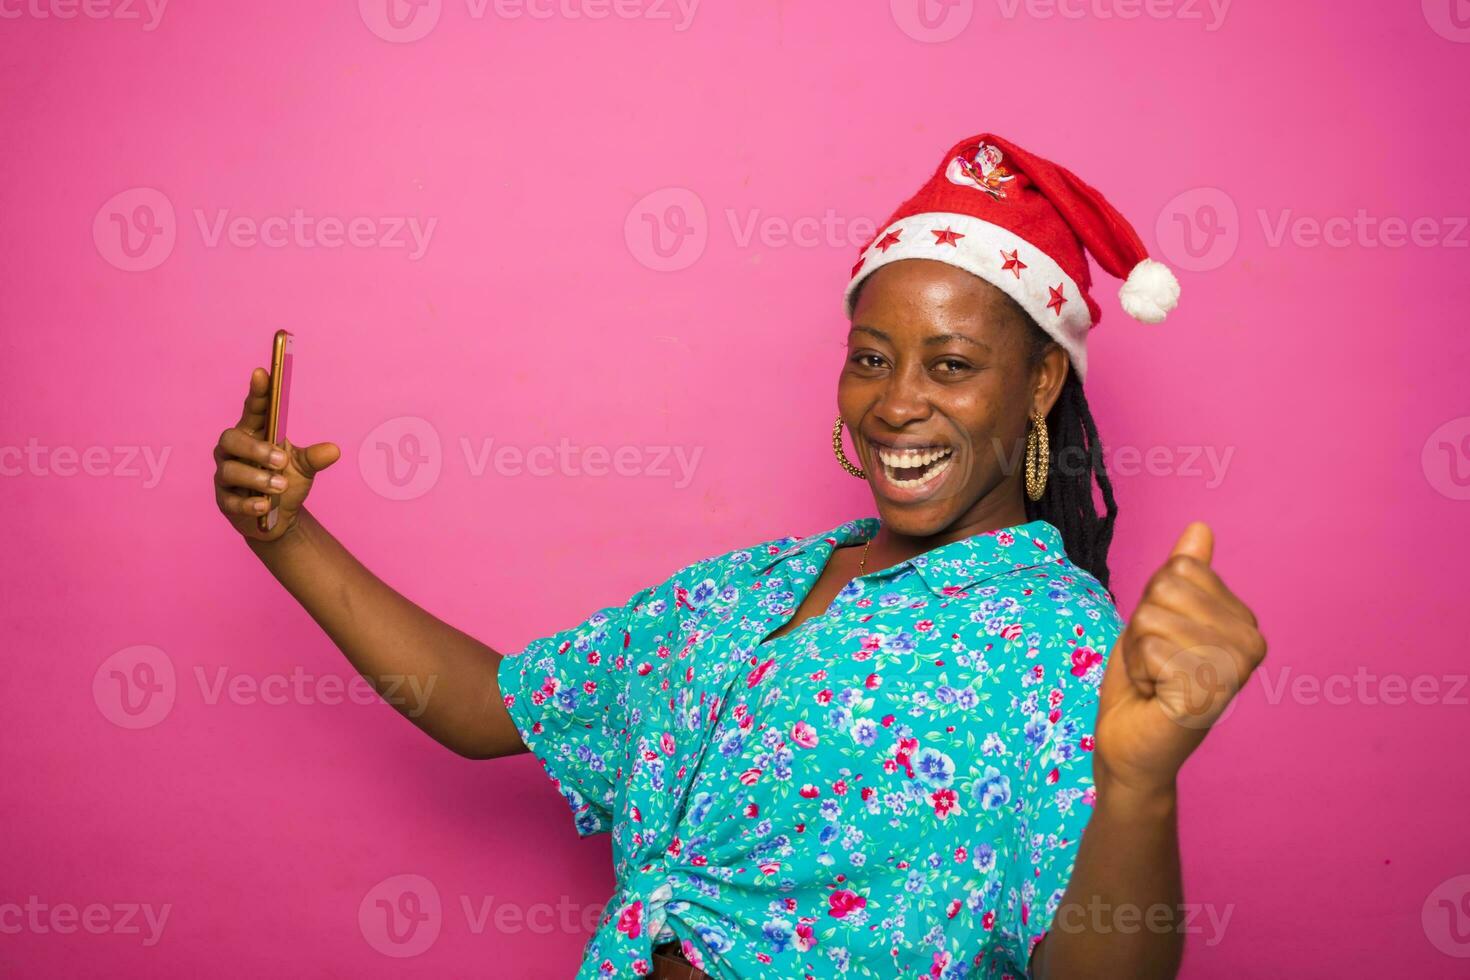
904 398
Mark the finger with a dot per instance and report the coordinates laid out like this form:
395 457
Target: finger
1115 680
1182 593
1165 631
234 474
1162 639
257 401
241 504
1197 541
315 458
1208 579
239 444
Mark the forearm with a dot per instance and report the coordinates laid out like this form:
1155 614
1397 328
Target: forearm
1120 913
441 679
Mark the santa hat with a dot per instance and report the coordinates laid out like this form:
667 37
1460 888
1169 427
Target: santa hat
1021 223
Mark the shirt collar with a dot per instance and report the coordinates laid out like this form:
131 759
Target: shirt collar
947 569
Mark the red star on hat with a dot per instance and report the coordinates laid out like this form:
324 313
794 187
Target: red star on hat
1057 299
889 239
948 237
1013 264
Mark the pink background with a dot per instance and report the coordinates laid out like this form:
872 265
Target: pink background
1329 830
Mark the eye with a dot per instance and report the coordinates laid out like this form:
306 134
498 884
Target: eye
953 365
867 359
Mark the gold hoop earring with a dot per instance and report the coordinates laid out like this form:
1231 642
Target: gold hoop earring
1038 457
842 456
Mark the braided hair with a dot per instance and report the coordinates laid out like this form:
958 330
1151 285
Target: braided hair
1075 463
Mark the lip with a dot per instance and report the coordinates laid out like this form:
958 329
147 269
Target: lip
891 491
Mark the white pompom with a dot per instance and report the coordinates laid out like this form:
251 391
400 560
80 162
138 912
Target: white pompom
1149 292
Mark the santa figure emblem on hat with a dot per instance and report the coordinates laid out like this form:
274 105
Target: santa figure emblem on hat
984 172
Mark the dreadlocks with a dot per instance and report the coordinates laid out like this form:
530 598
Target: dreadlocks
1076 462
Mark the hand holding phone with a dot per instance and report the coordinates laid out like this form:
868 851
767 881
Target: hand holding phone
261 480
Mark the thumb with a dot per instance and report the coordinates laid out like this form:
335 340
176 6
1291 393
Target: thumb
1197 541
319 456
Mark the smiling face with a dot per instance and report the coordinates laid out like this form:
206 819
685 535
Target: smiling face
941 377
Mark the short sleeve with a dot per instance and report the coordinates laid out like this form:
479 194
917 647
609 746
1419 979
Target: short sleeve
568 693
1057 797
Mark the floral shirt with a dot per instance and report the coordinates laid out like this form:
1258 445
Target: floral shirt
896 788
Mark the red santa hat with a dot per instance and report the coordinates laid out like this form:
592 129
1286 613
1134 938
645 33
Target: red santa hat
1021 223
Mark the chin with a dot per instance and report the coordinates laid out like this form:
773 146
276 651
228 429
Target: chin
921 521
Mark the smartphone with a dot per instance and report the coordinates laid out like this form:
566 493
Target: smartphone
275 419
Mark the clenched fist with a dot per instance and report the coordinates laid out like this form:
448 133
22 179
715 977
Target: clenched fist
1189 648
246 465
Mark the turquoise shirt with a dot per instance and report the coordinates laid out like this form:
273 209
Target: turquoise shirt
897 787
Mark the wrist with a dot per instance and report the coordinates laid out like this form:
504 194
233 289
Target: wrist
1135 798
292 538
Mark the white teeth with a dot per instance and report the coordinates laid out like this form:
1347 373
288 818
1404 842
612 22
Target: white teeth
920 481
911 458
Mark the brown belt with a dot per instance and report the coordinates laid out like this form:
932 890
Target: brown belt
669 964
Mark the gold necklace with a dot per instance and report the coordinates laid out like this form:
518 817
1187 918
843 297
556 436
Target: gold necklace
864 563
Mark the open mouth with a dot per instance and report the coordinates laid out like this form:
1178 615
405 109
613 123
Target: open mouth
914 468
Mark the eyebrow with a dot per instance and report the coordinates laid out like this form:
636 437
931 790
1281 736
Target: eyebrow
936 340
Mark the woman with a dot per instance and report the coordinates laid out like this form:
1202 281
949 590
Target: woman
922 743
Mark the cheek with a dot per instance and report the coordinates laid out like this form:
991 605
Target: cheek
854 395
988 426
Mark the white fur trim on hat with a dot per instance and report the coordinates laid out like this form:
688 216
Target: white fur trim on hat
1149 292
983 248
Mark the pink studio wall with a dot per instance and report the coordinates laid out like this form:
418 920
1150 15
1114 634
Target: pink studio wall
1300 164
